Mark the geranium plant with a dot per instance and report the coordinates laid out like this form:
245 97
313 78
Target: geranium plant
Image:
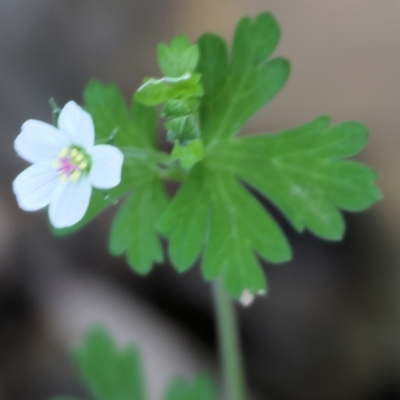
206 95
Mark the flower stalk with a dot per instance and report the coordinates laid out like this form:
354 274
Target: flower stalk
230 354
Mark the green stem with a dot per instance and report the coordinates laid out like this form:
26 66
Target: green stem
173 173
163 165
229 344
55 110
145 154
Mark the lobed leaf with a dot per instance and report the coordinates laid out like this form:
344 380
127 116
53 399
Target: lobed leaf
134 128
157 91
303 172
133 229
230 253
110 373
185 220
213 210
235 89
179 57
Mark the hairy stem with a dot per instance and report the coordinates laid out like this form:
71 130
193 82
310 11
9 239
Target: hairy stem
229 344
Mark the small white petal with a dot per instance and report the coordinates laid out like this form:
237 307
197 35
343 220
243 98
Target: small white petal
35 187
77 124
70 203
247 298
39 141
107 161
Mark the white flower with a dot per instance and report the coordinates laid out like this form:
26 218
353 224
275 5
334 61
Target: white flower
66 165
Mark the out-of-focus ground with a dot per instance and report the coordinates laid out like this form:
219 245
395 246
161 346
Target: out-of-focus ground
330 326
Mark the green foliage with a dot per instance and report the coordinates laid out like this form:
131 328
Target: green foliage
201 388
185 221
133 228
157 91
178 58
113 373
180 91
182 129
212 208
134 132
110 373
302 170
235 89
206 98
180 107
189 154
308 178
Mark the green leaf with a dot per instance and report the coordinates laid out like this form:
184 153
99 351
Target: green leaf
134 129
303 172
133 230
201 388
180 107
182 129
231 254
212 211
110 373
185 220
235 89
188 154
212 205
157 91
179 57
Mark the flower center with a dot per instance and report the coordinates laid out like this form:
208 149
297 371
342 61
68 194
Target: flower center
71 163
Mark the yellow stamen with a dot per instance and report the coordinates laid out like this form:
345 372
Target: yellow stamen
75 175
83 165
64 178
56 164
74 153
63 152
78 158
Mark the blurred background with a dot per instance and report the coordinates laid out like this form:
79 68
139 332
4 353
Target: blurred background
329 328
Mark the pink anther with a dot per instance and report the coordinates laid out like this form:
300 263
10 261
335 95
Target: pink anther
67 167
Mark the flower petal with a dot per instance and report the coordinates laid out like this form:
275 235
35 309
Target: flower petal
107 161
70 203
35 186
39 141
77 124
